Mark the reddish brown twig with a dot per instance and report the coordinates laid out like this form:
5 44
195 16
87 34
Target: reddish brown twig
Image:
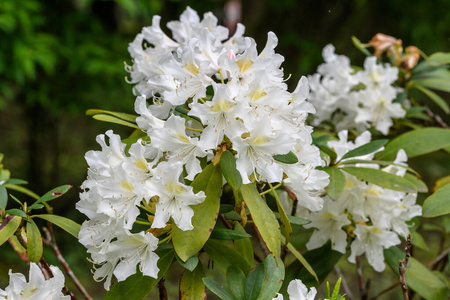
45 266
362 290
438 259
402 268
162 290
225 222
348 292
391 287
50 241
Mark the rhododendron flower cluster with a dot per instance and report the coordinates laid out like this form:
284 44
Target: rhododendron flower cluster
197 93
355 99
371 216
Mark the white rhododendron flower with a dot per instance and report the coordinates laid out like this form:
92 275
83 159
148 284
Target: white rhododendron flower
373 216
353 99
37 287
198 93
298 291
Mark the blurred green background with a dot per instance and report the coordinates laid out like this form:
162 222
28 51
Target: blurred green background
60 58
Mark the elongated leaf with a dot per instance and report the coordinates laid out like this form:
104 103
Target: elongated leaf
190 264
236 282
289 158
244 246
217 289
188 243
51 195
15 199
34 242
284 217
360 46
3 197
228 234
16 212
229 171
420 185
438 203
337 286
365 149
302 260
441 84
322 261
8 227
273 278
123 116
382 179
15 181
362 162
191 284
112 119
138 286
418 241
254 283
225 256
263 217
67 224
23 190
417 276
438 58
416 142
330 152
435 97
337 182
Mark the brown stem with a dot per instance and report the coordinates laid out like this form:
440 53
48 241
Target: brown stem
437 118
162 290
394 285
438 259
225 222
347 290
402 268
51 242
362 291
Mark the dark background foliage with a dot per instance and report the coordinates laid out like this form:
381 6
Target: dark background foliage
60 58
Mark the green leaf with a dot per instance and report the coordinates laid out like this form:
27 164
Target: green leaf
225 256
3 197
365 149
438 58
382 179
190 264
320 140
420 185
244 246
417 276
289 158
441 84
360 46
217 289
191 284
293 219
34 242
435 97
236 282
337 182
23 190
418 241
51 195
418 112
362 162
322 261
330 152
284 217
438 203
302 260
337 286
123 116
15 181
67 224
228 234
17 200
229 171
263 218
8 229
273 278
188 243
138 286
416 143
17 212
254 283
111 119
